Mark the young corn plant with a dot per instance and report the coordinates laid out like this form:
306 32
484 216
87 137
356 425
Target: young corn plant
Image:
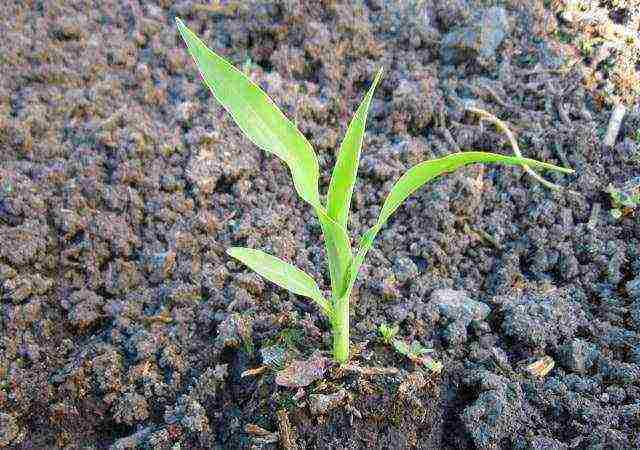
267 127
387 332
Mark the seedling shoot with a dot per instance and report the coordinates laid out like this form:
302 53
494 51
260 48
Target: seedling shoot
267 127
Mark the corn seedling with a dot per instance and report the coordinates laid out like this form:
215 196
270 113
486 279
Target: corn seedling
267 127
414 352
417 353
388 332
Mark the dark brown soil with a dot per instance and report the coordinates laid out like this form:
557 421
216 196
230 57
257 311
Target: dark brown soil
123 325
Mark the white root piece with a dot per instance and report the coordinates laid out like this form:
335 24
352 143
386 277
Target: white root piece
614 124
514 144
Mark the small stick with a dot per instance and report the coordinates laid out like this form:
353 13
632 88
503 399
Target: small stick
493 94
614 124
217 8
449 138
562 112
561 70
514 144
483 235
371 371
287 440
594 216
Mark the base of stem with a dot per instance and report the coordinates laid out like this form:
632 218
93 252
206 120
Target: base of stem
340 329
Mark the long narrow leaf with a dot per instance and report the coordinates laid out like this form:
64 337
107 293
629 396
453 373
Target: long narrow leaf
345 171
340 192
281 273
257 115
414 179
424 172
267 127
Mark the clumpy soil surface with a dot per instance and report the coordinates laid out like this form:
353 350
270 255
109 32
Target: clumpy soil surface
123 324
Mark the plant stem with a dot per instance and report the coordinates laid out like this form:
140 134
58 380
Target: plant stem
341 330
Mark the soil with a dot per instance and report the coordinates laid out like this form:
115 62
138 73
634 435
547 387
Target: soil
123 324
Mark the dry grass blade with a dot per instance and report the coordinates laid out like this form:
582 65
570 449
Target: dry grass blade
516 148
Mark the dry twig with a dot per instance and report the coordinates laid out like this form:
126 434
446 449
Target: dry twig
371 371
287 439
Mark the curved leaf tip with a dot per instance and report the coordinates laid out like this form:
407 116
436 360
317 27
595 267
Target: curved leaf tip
260 120
345 171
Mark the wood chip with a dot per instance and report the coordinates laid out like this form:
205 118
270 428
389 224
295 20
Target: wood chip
541 367
300 373
321 404
256 430
253 372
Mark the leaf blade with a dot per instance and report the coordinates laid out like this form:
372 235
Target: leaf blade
256 114
281 273
414 179
343 178
424 172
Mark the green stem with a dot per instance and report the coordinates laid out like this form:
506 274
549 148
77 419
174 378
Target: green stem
341 330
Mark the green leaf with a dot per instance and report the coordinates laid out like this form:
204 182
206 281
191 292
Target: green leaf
401 347
345 171
388 332
266 126
418 350
424 172
340 191
414 179
281 273
257 115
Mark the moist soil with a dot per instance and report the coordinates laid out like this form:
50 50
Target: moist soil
123 324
